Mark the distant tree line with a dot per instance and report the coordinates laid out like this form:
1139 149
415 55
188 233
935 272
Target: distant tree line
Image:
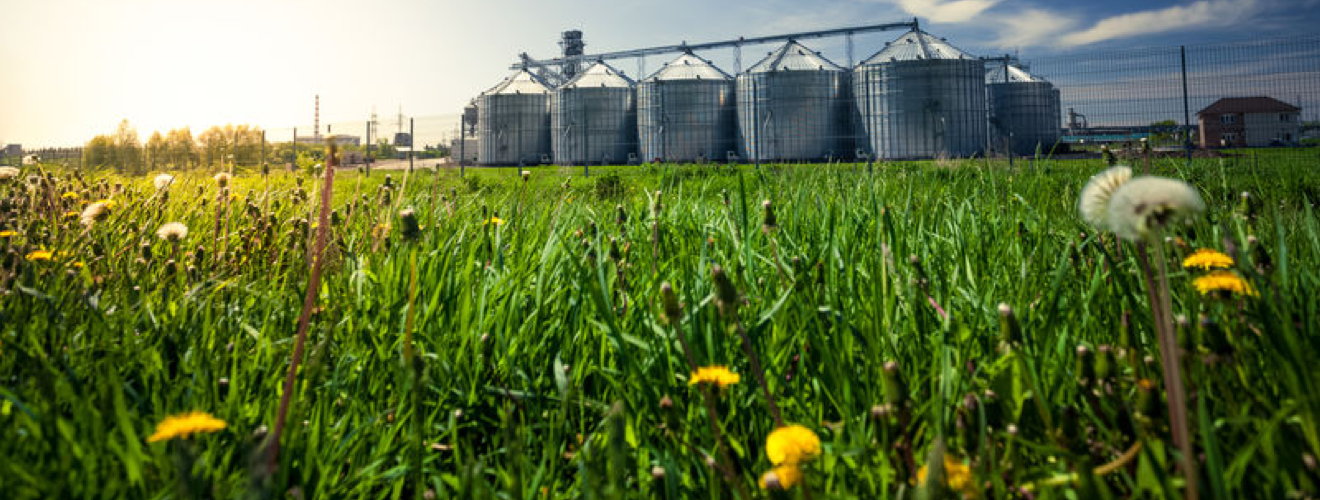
174 150
218 146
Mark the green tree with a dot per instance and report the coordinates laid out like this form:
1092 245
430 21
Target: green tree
127 148
212 145
1162 137
158 151
182 149
99 152
384 150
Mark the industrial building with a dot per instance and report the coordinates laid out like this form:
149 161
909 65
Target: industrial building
685 112
794 105
919 97
1024 110
514 119
593 117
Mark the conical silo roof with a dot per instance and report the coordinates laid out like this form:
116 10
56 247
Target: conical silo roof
917 46
689 67
995 73
521 82
600 74
793 56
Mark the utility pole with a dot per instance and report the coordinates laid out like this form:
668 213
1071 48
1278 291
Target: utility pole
293 156
368 159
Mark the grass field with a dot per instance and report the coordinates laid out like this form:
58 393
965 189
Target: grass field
519 344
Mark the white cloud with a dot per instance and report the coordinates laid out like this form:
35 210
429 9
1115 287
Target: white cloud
1199 14
938 11
1039 27
1032 27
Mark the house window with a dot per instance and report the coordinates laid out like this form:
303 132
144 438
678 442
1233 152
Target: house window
1230 138
1227 119
1285 117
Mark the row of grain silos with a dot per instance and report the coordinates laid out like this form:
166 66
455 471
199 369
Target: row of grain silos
919 97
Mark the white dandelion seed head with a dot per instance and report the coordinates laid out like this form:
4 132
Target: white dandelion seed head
222 179
93 213
7 173
1094 201
172 231
1143 205
163 181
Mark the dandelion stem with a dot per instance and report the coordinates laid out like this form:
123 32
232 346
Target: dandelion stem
1157 286
756 370
712 414
309 302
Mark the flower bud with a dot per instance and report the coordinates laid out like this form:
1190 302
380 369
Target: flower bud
408 225
726 295
770 223
673 312
1009 331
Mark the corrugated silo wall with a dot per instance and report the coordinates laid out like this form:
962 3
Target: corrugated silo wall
685 120
794 115
1024 116
921 109
515 128
593 124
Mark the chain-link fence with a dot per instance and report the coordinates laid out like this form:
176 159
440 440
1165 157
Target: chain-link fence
1243 101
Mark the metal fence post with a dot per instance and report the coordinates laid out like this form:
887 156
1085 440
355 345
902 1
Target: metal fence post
1187 113
412 144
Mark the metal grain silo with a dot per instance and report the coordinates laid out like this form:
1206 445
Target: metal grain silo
593 117
685 112
467 147
793 105
514 119
1025 113
920 97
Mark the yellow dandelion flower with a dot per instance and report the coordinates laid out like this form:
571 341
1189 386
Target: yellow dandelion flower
494 220
71 195
40 255
187 424
791 444
781 478
1223 281
1207 259
71 214
717 375
8 234
957 476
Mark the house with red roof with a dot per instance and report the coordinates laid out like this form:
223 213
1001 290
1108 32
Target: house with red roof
1236 122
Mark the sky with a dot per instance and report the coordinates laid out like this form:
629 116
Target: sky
73 69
